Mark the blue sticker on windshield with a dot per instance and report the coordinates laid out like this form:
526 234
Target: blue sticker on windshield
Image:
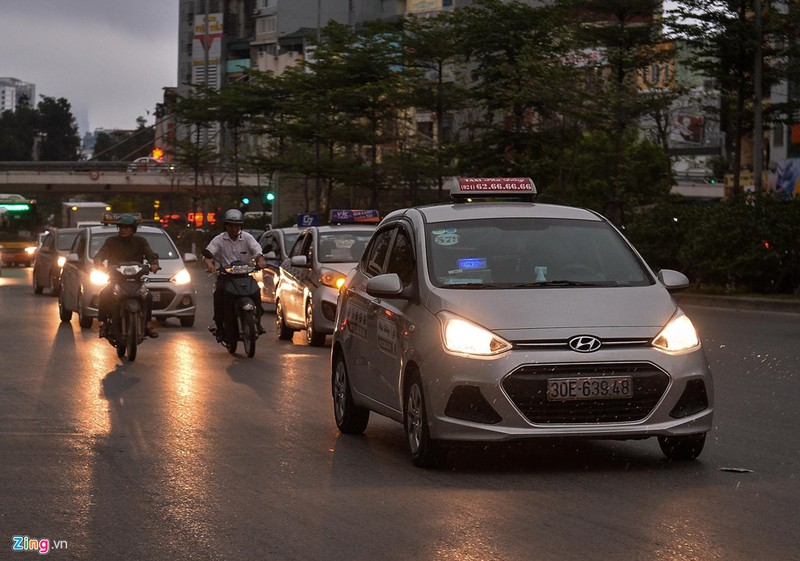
472 263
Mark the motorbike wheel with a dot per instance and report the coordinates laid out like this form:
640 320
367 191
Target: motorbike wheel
132 334
249 333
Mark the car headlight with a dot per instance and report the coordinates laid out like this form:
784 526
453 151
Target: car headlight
182 277
61 261
464 337
30 250
331 278
678 335
98 277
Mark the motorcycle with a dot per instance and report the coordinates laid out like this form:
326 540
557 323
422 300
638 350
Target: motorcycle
126 329
240 319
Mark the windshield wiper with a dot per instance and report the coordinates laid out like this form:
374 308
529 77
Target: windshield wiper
469 285
554 284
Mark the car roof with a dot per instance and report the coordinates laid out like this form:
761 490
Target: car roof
112 228
473 211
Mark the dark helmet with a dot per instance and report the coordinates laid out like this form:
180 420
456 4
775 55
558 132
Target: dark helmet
127 220
234 216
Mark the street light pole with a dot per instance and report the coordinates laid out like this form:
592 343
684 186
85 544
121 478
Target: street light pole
758 119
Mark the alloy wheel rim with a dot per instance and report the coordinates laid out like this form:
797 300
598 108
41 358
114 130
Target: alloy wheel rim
414 418
339 391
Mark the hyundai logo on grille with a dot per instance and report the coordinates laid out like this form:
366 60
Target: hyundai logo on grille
584 344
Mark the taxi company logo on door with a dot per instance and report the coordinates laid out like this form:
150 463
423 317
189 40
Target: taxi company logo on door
41 546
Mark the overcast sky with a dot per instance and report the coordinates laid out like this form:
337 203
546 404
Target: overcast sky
109 58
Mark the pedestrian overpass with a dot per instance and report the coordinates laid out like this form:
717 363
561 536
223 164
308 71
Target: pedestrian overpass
32 178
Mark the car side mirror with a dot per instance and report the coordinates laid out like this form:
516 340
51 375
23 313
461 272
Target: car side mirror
387 285
299 261
73 257
189 257
673 281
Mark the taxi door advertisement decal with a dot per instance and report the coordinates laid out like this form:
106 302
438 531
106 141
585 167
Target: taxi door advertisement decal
357 321
387 337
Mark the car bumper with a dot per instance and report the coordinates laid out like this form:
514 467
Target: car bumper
169 300
506 397
324 299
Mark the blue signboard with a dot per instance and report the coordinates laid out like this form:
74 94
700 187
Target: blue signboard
304 220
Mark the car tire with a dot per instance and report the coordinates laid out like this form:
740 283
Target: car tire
283 332
55 286
313 337
682 448
63 313
37 288
350 418
425 451
83 320
187 321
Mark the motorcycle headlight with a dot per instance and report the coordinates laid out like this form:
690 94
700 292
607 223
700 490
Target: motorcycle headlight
98 278
331 278
464 337
182 277
678 335
61 261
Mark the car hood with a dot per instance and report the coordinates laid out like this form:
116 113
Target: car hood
343 268
556 312
169 268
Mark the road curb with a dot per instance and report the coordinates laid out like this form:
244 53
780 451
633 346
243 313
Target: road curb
739 302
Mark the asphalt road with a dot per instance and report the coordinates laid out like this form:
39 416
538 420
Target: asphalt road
190 453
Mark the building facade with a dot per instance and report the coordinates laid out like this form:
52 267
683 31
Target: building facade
12 91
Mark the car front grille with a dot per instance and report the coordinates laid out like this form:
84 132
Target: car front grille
527 388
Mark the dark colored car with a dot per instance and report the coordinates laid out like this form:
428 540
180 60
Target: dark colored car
50 258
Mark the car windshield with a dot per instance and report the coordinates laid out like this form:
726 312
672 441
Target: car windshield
64 240
530 253
342 246
159 242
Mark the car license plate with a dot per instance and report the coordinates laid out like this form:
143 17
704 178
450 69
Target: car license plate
156 296
595 387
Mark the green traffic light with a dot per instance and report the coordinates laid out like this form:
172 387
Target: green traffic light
245 201
270 196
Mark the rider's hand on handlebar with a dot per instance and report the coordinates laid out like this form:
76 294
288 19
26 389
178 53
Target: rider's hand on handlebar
154 267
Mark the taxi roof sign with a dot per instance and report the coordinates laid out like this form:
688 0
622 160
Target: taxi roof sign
113 217
508 188
354 216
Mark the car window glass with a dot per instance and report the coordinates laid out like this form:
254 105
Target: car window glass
48 243
376 255
65 239
505 253
79 245
401 258
301 245
288 241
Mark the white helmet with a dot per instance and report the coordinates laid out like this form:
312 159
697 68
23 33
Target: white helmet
233 216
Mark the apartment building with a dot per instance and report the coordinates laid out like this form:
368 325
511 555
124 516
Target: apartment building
13 90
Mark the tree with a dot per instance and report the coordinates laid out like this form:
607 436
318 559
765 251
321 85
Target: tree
57 125
722 35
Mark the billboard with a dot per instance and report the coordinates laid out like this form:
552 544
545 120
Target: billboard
210 42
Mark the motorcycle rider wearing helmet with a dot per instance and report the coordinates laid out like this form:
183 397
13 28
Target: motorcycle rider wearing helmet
126 247
232 245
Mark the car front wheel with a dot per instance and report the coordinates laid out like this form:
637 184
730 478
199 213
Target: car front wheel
350 418
313 337
425 451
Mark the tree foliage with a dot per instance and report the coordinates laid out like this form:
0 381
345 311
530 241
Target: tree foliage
48 132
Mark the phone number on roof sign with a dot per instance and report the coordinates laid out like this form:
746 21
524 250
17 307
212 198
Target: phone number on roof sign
495 184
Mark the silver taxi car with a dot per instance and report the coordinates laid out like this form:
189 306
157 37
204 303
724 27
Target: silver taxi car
492 321
275 245
310 277
171 287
